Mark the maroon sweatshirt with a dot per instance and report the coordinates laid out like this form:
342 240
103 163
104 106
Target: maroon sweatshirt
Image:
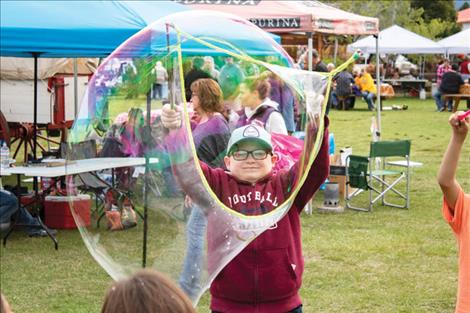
267 274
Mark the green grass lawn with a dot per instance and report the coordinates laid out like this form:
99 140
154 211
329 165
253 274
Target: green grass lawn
391 260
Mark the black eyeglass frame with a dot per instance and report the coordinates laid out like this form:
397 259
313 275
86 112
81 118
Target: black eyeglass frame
264 155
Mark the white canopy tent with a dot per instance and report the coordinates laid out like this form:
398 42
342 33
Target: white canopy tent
394 39
457 43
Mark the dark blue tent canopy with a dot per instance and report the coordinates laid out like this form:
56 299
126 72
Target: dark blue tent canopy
76 28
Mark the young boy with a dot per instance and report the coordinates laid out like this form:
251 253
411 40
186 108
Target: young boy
266 276
456 208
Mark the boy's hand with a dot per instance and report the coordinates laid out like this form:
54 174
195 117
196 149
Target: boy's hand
188 202
171 118
459 127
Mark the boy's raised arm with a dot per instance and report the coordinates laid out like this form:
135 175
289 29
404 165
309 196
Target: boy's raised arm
447 172
182 164
318 172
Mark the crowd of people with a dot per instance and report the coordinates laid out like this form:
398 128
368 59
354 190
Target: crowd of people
247 94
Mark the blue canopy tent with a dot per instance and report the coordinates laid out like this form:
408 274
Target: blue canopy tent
73 28
82 28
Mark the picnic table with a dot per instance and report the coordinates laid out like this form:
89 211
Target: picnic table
456 98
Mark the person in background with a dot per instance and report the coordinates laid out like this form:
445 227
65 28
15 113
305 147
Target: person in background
396 73
209 67
317 64
210 134
161 78
450 84
9 207
331 101
456 206
368 88
357 83
230 78
283 95
442 68
194 74
250 69
343 90
258 107
146 291
465 69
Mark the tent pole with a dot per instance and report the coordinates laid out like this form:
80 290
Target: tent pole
336 50
35 104
310 50
377 74
146 181
75 87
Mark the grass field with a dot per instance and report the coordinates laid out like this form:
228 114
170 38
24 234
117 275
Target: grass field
391 260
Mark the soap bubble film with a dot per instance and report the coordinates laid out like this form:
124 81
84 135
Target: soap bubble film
152 204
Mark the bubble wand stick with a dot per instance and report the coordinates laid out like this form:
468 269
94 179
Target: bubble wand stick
172 85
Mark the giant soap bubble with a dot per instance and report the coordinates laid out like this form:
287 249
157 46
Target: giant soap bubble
152 205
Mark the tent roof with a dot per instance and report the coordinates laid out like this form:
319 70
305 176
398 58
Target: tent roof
457 43
73 28
396 39
78 28
463 16
288 16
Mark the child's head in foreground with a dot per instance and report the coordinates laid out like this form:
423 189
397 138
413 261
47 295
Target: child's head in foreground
250 153
146 291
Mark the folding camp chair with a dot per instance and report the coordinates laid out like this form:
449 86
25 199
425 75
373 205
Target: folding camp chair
86 182
364 174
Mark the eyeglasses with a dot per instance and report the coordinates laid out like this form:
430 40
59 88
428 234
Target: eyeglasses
242 155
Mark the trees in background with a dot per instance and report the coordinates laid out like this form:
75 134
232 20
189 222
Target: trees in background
432 19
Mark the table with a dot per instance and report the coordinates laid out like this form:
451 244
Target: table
416 84
456 97
72 168
76 167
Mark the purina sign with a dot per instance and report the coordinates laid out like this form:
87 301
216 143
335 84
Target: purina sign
222 2
282 22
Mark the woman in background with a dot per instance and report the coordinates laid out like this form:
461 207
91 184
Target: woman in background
210 134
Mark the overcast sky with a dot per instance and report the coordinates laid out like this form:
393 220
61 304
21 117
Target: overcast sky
459 3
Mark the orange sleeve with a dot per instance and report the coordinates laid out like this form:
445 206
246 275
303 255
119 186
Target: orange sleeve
456 216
